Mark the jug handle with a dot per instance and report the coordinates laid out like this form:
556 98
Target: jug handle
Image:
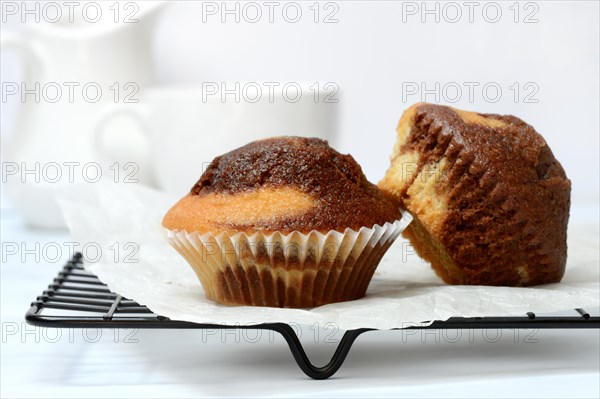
33 57
34 66
136 112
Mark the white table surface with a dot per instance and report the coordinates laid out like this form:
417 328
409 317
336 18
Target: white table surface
39 362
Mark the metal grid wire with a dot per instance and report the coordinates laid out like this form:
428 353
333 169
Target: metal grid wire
78 299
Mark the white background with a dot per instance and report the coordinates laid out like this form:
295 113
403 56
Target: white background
370 53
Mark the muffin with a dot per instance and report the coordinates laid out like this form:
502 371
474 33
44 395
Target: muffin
284 222
489 200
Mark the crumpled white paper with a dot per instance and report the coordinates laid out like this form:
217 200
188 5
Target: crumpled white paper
404 290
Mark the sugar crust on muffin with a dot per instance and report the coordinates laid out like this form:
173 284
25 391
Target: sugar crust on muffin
282 184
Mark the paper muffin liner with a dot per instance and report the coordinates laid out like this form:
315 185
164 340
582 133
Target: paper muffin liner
286 270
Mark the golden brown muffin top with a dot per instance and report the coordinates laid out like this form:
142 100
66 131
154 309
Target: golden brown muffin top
282 184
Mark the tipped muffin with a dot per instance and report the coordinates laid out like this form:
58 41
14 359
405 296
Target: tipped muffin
489 200
284 222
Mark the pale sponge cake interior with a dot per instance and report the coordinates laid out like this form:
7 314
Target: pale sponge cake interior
489 200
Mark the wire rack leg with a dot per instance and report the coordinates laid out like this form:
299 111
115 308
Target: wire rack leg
317 373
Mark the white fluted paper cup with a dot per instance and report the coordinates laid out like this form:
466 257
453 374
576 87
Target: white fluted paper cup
293 270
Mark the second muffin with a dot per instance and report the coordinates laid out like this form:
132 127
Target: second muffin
284 222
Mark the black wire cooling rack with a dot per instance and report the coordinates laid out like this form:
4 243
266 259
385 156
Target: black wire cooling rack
75 291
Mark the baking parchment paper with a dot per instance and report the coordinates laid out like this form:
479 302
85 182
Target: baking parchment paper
124 221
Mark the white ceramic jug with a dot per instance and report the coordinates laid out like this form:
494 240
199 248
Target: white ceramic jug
70 61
